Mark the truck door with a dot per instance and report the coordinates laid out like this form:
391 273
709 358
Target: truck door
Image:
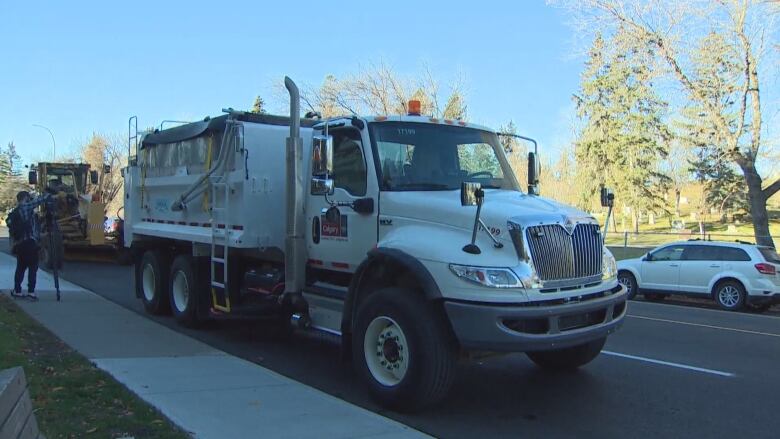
338 243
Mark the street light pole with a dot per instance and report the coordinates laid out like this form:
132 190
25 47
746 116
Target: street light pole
53 142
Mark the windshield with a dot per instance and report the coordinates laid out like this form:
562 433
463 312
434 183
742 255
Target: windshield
421 156
62 182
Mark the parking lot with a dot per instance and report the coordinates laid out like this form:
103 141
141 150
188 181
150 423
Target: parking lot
671 371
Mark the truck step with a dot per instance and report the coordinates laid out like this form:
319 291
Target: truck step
217 284
218 260
249 311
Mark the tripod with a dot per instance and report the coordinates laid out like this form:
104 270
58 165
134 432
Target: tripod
51 224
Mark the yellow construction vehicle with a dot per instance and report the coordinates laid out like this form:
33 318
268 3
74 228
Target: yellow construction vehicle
82 229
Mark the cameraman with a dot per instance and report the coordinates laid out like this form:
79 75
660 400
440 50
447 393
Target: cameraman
25 229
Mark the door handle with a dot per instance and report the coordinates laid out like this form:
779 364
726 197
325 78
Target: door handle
674 265
714 266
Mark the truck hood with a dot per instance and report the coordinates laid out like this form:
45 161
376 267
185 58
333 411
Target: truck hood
500 206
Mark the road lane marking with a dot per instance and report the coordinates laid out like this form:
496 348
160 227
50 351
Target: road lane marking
669 363
697 306
723 328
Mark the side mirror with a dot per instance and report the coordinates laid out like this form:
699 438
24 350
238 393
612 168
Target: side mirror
533 173
322 165
648 257
321 186
93 177
106 169
607 197
32 178
469 191
322 156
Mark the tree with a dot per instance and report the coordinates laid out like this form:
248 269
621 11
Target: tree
259 106
378 89
516 152
677 167
624 136
99 151
11 181
14 159
667 28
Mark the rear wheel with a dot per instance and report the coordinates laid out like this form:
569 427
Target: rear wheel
152 282
568 358
403 349
628 280
730 295
185 291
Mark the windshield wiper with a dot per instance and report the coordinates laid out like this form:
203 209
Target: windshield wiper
421 186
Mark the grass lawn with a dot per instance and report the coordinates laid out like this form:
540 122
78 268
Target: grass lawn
71 397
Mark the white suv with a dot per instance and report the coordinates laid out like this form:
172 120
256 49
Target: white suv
735 275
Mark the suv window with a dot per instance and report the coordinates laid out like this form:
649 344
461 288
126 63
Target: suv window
671 253
701 253
733 254
769 254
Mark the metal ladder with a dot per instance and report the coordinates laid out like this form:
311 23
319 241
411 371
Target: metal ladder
220 232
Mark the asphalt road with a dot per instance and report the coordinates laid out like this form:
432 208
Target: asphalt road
671 371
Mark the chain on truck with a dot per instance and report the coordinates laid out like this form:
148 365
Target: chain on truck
407 236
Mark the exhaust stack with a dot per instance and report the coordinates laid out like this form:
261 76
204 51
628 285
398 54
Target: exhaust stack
294 269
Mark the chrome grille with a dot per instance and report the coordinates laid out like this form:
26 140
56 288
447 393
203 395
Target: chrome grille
558 256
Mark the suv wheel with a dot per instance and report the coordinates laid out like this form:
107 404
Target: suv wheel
730 295
627 279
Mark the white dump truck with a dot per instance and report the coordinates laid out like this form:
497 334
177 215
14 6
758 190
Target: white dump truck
407 236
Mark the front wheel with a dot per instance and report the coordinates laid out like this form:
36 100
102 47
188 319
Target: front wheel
403 349
568 358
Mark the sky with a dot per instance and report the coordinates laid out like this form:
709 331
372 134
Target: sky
82 67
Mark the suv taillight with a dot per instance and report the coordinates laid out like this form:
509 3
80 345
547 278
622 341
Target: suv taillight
765 268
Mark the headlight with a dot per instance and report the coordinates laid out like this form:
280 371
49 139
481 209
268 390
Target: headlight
487 276
608 266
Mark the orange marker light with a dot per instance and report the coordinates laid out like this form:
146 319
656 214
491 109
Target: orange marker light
414 108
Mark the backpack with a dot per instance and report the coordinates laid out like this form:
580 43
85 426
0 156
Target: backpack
17 227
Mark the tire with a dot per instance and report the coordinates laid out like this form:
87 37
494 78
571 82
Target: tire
628 280
654 297
730 295
568 358
152 282
185 291
413 339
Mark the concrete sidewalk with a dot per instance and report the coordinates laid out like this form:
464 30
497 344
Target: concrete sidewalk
203 390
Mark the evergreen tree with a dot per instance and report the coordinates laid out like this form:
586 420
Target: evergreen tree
624 136
15 160
259 106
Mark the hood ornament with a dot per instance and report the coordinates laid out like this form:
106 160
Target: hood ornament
569 225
